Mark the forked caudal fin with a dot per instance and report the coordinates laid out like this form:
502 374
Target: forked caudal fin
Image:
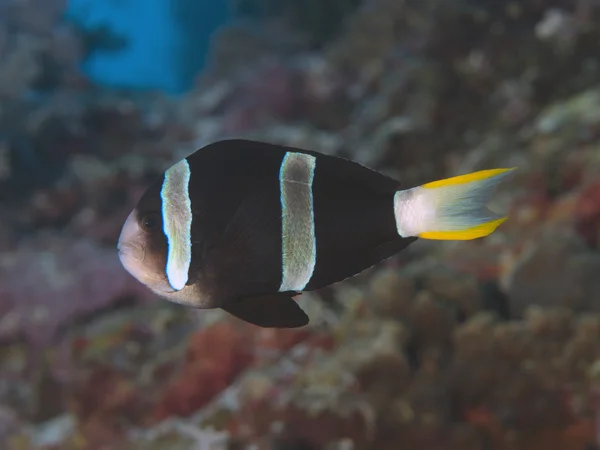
450 209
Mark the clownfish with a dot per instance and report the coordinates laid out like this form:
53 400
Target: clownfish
246 226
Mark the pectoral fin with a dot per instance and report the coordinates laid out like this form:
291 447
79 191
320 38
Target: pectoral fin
269 311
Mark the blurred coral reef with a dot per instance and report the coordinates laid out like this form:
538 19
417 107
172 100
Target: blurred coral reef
490 344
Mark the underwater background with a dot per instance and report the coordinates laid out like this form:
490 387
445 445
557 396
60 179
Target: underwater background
492 344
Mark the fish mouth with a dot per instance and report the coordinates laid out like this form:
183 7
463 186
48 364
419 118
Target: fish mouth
130 245
131 250
132 258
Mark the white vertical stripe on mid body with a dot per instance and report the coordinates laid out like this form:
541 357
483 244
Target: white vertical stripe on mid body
299 248
177 223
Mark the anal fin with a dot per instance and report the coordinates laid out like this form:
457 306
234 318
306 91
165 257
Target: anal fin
269 311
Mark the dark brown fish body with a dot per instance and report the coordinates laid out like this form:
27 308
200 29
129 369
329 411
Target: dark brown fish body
267 222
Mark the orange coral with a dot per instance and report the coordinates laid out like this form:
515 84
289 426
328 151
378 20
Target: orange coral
216 355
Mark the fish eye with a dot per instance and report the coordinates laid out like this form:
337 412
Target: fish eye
149 222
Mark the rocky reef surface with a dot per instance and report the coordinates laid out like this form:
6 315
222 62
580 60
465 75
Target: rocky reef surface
490 344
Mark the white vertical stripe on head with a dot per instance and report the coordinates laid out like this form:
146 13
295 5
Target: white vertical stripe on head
177 223
299 254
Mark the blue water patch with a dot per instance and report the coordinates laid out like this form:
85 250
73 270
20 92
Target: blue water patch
165 41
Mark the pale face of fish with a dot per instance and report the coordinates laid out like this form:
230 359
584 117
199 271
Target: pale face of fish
137 251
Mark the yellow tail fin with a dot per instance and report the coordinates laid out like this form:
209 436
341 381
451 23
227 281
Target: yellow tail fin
450 209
